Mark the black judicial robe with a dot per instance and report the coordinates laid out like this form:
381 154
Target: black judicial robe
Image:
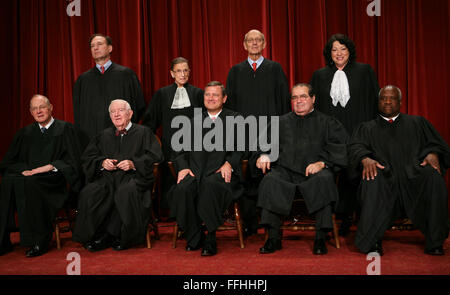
160 113
264 92
303 141
39 197
363 103
214 195
400 147
128 192
93 92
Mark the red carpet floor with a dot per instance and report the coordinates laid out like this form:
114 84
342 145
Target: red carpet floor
403 256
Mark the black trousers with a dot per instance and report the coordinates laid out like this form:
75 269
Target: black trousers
280 187
423 199
196 201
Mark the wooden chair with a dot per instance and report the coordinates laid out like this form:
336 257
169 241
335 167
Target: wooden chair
232 220
156 192
66 214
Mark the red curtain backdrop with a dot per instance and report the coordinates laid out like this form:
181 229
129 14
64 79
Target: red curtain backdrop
44 50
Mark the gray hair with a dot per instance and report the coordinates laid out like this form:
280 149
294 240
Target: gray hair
46 100
262 35
127 105
391 87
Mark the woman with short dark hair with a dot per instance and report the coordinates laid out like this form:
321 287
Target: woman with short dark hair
347 90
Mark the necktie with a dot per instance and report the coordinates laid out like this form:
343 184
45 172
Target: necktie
121 132
102 69
254 66
391 121
213 118
43 129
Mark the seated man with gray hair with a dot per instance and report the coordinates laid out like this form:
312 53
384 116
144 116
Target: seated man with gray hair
113 208
40 165
402 159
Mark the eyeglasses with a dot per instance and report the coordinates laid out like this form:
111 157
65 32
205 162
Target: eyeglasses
251 40
38 109
303 96
117 110
179 72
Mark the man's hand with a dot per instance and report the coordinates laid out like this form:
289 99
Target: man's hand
433 160
42 169
226 171
263 163
109 164
125 165
370 168
182 174
314 168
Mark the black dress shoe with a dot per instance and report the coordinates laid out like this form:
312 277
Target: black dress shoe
101 244
116 245
438 251
210 249
320 248
377 248
36 250
270 246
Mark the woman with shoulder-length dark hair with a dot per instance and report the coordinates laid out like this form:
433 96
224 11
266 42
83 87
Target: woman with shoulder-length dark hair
347 90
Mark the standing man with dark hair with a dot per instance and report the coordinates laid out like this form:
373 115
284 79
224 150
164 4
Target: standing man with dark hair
96 88
403 160
258 87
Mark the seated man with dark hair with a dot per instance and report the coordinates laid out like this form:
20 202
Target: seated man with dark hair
209 179
113 208
402 158
311 147
40 163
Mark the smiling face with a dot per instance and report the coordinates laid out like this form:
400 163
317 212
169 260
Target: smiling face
100 49
180 73
214 99
119 114
389 102
302 103
254 44
41 109
339 54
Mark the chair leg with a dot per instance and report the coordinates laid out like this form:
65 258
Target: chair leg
175 236
238 224
57 237
149 242
335 231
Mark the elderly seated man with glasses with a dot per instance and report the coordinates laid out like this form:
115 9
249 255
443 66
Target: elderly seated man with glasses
113 208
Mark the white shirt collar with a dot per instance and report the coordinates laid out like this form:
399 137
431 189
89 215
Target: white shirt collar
393 118
258 61
128 126
215 116
106 65
48 125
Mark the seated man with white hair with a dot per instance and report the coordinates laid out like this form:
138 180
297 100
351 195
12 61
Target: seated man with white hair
113 208
41 163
